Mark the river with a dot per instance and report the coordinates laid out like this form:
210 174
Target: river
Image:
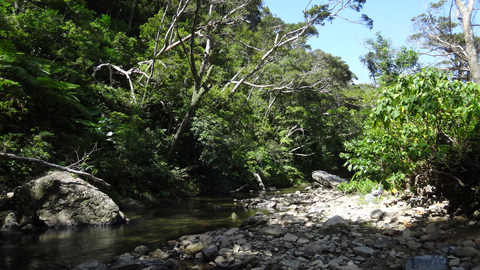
65 248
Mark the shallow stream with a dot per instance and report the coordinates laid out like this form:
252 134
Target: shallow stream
65 248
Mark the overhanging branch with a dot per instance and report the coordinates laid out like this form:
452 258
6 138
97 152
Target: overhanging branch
51 165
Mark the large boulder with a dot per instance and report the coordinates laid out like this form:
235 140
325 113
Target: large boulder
326 179
59 199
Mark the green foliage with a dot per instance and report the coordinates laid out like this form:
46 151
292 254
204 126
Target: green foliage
358 186
423 127
51 107
386 63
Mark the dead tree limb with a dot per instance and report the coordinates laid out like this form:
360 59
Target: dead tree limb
238 189
55 166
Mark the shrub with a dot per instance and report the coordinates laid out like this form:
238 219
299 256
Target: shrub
423 130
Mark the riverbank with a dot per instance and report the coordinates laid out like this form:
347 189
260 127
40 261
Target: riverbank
322 229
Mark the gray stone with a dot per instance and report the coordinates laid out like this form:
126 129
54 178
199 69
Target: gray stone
59 199
275 230
427 262
363 251
91 265
141 250
465 252
294 220
290 237
432 228
326 179
292 264
311 249
414 245
335 221
468 243
210 252
348 267
250 260
377 214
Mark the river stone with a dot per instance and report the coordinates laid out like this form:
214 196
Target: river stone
141 250
10 227
194 248
363 251
250 260
336 221
294 220
59 199
465 252
311 249
274 230
91 265
292 264
290 237
326 179
210 252
159 254
427 262
377 214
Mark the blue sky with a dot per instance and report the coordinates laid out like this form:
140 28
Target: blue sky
346 40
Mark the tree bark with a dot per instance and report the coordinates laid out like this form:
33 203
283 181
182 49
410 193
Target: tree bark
55 166
259 181
466 12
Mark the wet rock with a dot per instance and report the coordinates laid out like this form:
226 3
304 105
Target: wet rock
141 250
10 227
29 228
427 262
159 254
91 265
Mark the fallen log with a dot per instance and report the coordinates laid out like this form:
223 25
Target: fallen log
51 165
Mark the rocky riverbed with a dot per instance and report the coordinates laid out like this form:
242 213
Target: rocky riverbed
322 229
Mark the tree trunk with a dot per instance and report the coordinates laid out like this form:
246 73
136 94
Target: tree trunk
179 133
259 181
466 12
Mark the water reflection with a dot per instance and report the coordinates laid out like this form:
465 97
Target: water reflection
63 248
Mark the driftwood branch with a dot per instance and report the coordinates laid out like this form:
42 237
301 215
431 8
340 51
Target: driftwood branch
238 189
55 166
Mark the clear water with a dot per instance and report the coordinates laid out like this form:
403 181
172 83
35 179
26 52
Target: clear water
64 248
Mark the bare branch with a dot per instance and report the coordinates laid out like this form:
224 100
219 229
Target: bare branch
55 166
126 73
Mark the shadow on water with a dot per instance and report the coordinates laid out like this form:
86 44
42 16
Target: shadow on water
68 247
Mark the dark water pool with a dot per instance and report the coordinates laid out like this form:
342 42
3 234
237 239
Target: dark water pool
64 248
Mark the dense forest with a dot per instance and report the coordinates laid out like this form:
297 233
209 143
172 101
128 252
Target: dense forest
173 98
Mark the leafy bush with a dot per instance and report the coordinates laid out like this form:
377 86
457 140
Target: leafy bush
423 130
